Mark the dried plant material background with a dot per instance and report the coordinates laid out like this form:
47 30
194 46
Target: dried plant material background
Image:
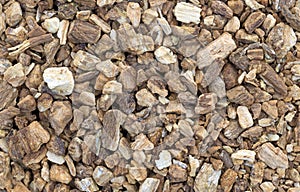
149 95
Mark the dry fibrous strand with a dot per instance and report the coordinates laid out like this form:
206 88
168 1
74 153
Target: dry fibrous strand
31 42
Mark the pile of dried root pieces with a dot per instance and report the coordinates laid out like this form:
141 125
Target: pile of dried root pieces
149 95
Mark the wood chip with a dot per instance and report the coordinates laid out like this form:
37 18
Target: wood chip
164 160
51 25
165 55
134 13
207 178
150 184
13 14
15 75
240 95
57 121
253 4
254 20
245 155
206 103
187 13
101 23
287 37
132 42
145 98
221 8
83 32
34 133
215 49
102 175
63 31
228 179
245 117
272 156
59 80
111 135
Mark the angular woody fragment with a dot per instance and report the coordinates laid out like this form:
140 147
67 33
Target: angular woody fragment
240 95
245 117
111 129
5 170
228 179
83 32
165 26
230 76
165 55
254 20
157 85
102 3
51 25
60 173
239 59
232 25
154 3
187 13
244 37
62 32
59 80
13 14
102 175
292 19
206 103
221 8
207 179
212 72
281 33
142 143
2 23
149 185
15 75
274 157
57 120
130 41
164 160
219 48
257 173
269 75
145 98
245 155
134 13
149 15
27 140
253 4
85 61
105 27
9 94
279 4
